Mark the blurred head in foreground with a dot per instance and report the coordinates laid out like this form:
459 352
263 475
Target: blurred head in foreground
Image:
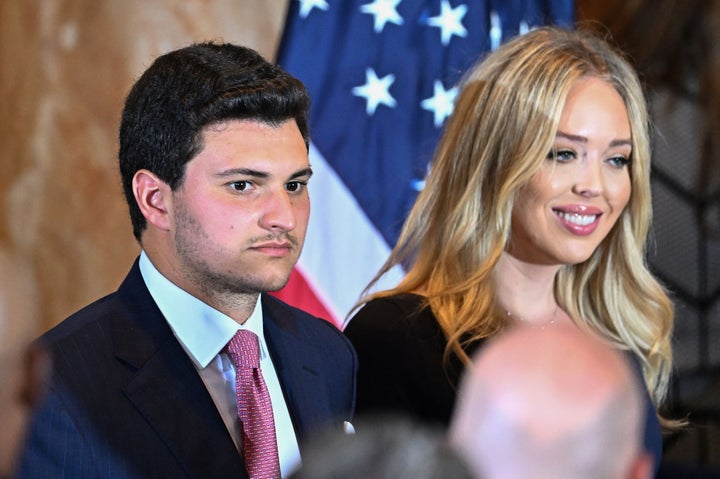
389 447
539 404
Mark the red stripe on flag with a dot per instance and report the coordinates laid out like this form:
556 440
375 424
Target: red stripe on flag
297 292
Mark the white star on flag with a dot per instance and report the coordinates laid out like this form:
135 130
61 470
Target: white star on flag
384 11
306 6
376 91
441 103
449 21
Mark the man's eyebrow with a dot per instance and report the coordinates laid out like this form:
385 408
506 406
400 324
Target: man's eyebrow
304 172
260 174
242 172
583 139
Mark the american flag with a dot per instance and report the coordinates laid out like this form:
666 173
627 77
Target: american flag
382 76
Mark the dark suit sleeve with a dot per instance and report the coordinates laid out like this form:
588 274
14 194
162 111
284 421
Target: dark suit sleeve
316 365
336 372
55 446
341 362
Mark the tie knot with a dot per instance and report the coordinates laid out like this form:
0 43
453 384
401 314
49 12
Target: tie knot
243 350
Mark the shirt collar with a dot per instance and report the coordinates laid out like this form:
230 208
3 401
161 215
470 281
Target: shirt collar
202 330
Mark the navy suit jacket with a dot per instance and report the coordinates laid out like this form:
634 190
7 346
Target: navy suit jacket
125 400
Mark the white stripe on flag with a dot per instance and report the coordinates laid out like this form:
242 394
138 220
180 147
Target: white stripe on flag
343 249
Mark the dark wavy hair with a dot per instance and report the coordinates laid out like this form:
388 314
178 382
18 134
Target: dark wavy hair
186 90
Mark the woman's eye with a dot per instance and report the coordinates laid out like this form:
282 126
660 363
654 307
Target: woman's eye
561 155
619 161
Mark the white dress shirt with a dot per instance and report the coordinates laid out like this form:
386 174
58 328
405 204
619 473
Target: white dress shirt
203 332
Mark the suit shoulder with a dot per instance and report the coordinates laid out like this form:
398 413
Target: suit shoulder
304 321
80 322
278 306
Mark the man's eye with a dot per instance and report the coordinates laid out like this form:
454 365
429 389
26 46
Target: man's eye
295 186
240 185
561 155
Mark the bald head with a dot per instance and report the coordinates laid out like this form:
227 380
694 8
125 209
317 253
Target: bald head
549 403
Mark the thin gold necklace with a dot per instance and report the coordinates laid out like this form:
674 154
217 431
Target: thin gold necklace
539 326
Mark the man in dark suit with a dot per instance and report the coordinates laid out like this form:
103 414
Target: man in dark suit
214 163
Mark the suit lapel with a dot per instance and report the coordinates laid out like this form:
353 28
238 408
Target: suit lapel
297 366
168 391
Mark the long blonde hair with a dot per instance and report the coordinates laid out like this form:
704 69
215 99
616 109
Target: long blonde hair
503 125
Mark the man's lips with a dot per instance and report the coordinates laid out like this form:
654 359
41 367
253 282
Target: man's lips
273 248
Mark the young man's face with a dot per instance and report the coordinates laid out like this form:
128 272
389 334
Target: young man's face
240 216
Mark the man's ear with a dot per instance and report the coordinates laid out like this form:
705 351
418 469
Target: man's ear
153 197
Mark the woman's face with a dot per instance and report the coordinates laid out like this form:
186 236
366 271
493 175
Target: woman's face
570 205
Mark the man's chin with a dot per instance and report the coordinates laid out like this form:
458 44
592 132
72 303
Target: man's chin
277 284
272 280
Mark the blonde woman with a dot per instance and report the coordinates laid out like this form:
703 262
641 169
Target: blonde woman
536 210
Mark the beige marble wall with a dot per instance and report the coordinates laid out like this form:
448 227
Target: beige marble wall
65 67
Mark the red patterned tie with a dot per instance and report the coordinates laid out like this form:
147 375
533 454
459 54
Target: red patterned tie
259 444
